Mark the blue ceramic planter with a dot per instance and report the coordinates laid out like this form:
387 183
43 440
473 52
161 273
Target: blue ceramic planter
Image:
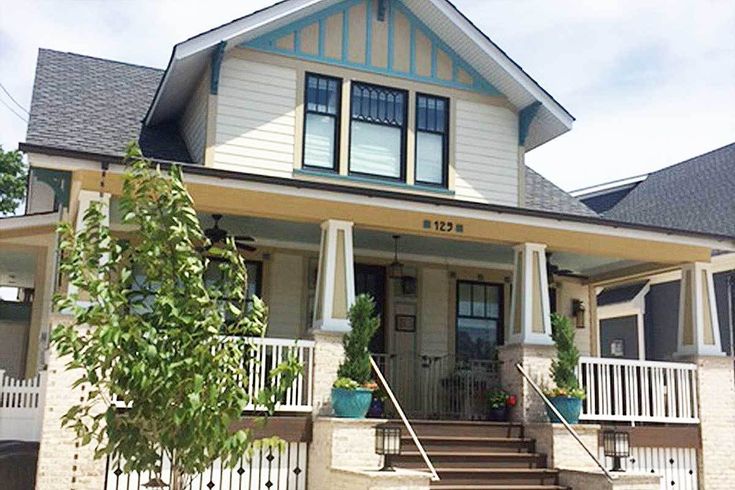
351 404
568 407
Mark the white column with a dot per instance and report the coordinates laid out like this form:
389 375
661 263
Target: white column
529 312
86 198
699 327
336 277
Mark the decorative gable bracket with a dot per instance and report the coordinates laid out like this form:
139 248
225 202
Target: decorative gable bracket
379 36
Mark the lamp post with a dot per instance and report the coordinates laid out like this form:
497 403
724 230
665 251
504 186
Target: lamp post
617 447
387 444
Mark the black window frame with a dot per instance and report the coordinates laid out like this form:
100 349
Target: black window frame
445 135
500 334
337 122
404 133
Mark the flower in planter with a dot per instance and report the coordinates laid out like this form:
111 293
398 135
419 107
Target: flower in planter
512 401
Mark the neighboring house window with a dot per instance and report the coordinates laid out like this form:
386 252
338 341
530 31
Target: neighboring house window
321 122
479 319
432 140
378 128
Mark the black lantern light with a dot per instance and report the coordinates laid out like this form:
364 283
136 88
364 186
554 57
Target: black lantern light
578 310
396 268
387 444
617 447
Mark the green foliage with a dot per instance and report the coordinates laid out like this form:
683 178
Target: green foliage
567 358
346 384
497 398
12 181
149 331
364 323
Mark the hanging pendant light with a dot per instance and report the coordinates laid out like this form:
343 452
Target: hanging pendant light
396 268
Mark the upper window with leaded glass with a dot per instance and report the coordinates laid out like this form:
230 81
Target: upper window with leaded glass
321 122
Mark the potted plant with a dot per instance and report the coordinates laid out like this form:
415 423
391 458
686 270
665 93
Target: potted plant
566 396
352 393
377 406
499 405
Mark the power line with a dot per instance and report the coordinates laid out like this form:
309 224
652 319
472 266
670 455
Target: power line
11 98
13 111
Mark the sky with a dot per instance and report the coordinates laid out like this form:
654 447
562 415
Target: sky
651 82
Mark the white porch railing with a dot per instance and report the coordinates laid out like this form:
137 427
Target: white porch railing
266 355
269 354
638 391
21 407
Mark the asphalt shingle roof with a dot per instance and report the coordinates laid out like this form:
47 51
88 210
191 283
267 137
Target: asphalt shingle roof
94 105
543 195
694 195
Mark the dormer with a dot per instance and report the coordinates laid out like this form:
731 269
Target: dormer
385 94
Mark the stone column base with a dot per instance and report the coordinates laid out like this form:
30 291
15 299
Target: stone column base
328 355
561 449
536 360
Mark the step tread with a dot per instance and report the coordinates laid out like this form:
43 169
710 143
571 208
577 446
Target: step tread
454 486
474 454
500 471
468 438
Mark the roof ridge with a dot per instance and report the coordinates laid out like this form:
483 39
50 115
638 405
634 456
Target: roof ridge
97 58
689 160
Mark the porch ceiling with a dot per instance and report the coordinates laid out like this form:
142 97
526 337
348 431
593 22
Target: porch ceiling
290 234
17 268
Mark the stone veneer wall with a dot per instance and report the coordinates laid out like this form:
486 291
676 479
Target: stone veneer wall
561 449
717 418
62 463
536 360
328 354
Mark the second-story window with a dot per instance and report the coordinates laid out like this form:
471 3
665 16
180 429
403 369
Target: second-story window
321 122
378 128
432 142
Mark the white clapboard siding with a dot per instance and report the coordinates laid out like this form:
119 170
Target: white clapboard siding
256 118
285 293
434 310
486 157
194 121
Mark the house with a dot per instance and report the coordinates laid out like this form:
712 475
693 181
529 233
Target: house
669 197
378 146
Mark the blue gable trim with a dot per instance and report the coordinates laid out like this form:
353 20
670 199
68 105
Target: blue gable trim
382 9
217 57
525 118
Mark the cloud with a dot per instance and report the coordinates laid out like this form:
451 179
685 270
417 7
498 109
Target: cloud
651 82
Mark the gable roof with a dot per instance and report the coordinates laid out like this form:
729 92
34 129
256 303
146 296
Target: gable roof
190 58
695 195
95 105
542 194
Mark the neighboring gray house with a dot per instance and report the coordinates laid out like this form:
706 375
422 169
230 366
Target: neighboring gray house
696 195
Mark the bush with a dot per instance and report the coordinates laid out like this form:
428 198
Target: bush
567 358
364 323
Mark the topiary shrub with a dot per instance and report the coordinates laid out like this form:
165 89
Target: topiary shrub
356 365
567 358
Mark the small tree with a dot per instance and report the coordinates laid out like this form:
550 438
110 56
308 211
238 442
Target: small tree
12 181
364 323
147 328
567 357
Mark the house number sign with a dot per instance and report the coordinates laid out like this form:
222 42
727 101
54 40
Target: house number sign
443 226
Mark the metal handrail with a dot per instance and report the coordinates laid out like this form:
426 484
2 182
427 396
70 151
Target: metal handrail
569 428
409 428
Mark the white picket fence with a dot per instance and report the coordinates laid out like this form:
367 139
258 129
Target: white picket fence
21 407
638 391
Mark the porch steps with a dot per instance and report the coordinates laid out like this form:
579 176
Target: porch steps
479 456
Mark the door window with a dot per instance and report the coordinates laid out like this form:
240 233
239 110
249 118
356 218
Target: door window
479 319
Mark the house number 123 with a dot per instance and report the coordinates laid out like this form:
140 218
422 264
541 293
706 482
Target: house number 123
443 226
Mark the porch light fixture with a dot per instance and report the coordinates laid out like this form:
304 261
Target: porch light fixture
396 268
387 444
617 447
578 310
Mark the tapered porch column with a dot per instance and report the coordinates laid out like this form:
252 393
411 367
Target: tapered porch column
699 328
530 317
529 332
699 342
336 277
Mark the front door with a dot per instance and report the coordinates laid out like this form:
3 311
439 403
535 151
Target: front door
370 279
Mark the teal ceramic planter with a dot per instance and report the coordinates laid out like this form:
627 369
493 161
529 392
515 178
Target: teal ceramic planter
568 407
351 404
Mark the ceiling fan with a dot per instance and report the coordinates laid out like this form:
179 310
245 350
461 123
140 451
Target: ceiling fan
216 235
